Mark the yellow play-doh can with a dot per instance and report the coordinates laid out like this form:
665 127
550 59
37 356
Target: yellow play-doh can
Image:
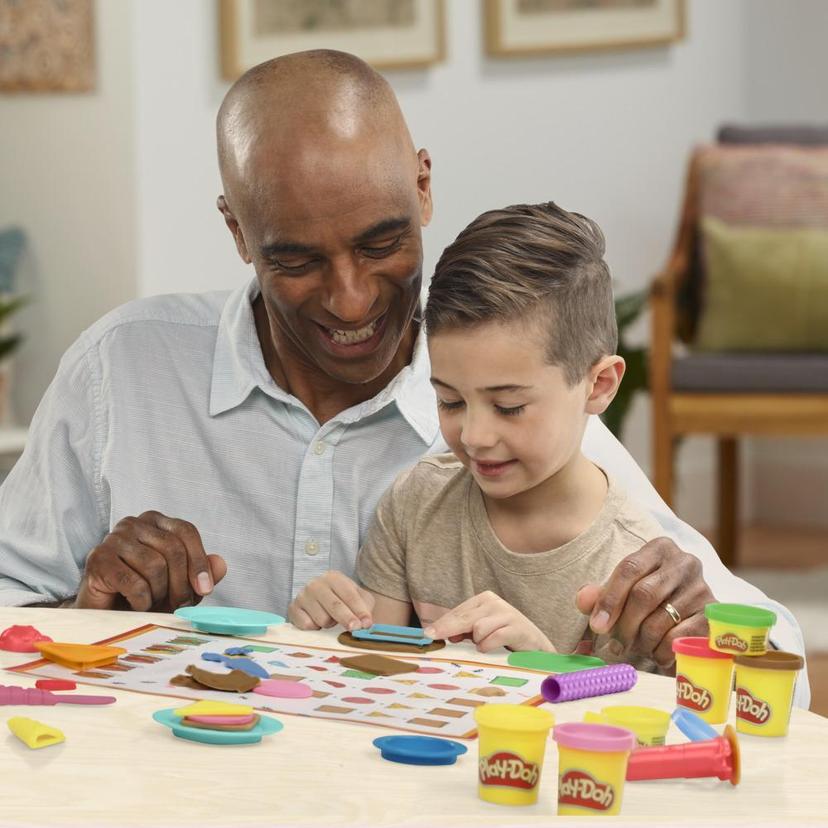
764 692
512 744
704 678
739 629
592 768
648 724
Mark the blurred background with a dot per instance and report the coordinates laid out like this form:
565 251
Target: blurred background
108 183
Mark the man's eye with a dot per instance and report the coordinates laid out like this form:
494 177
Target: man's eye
509 412
380 250
297 266
449 406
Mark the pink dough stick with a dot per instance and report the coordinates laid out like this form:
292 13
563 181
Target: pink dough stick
32 696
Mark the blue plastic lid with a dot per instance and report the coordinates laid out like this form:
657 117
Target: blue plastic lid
229 620
419 750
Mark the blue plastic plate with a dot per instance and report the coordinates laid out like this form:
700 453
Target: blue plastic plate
229 620
419 750
264 727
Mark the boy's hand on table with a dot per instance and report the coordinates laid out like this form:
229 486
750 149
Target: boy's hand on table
491 623
331 599
150 562
632 603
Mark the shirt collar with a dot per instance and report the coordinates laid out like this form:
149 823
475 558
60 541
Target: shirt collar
238 368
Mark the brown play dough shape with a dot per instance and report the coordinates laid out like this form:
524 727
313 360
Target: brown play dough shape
186 681
378 665
205 726
236 681
388 646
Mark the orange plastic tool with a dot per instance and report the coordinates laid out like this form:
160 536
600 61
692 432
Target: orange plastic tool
79 656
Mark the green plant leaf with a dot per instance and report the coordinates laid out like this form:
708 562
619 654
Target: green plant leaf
9 344
628 308
10 306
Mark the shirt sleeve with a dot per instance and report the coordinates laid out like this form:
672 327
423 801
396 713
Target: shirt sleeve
380 564
604 449
51 504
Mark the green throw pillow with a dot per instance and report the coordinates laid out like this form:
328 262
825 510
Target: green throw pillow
766 289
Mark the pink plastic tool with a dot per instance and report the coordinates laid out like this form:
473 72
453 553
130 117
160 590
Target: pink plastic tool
28 695
713 757
582 684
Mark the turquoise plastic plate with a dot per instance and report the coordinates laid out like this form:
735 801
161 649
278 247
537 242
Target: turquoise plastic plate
229 620
266 726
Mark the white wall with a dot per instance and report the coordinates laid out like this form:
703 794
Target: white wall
67 177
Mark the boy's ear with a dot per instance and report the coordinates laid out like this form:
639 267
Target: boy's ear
604 379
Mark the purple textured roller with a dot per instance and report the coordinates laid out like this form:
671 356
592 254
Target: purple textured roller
582 684
29 695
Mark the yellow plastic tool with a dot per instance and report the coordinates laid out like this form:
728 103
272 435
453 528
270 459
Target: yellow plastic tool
213 708
35 734
79 656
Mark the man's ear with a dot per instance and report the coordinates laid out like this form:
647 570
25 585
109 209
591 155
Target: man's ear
233 227
604 378
424 186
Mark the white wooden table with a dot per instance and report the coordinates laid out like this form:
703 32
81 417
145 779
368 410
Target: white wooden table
118 767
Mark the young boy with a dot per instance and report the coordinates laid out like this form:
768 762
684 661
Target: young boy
495 539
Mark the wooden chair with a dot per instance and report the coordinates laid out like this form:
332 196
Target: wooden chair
730 394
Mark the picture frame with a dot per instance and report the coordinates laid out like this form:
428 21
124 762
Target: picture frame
517 28
47 46
388 34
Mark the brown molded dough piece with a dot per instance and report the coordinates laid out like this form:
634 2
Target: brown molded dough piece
236 681
378 665
186 681
388 646
205 726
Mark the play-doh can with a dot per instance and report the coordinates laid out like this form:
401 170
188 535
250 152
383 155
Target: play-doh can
764 692
648 724
739 629
704 678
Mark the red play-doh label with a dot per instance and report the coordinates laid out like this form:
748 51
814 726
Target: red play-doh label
691 695
583 790
505 769
731 641
750 709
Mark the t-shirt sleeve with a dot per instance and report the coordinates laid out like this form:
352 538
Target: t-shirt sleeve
380 565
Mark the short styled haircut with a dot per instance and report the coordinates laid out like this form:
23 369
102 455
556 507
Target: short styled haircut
535 263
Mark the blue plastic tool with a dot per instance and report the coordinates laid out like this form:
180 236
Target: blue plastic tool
229 620
264 727
419 750
391 632
238 651
692 726
246 665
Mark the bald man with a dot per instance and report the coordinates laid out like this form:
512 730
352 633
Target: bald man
263 425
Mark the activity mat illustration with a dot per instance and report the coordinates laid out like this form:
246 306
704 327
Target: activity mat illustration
438 697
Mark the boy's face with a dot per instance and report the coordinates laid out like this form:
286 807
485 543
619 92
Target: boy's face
508 415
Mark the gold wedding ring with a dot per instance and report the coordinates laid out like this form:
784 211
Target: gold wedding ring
672 612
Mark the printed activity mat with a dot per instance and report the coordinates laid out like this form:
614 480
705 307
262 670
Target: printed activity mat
438 698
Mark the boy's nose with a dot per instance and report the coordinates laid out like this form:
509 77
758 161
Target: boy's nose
477 433
350 295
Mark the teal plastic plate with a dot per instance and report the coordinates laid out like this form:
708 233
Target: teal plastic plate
266 726
553 662
229 620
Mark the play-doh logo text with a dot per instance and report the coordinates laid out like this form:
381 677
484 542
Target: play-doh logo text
508 770
689 695
731 641
748 707
577 787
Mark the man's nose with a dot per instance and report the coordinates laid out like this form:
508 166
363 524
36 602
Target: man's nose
350 292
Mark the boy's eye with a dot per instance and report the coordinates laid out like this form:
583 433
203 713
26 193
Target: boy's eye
509 412
449 406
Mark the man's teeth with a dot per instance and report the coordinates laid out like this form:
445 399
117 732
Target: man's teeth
352 337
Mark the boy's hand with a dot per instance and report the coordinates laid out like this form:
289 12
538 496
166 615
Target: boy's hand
331 599
491 623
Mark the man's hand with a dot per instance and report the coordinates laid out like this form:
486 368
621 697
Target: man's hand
631 603
149 562
331 599
491 623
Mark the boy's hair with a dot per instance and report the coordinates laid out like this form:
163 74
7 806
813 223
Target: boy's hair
537 263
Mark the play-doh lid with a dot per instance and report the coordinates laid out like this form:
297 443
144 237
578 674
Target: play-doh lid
772 660
519 717
595 737
696 645
741 614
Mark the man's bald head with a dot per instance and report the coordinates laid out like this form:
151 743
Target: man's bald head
300 104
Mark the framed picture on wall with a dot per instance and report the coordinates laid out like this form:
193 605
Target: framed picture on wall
532 27
388 34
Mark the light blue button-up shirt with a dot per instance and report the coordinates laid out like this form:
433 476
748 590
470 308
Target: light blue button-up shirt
166 404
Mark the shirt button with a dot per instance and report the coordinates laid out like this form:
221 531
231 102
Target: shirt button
319 448
311 547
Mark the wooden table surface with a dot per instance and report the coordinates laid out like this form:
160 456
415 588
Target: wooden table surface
118 767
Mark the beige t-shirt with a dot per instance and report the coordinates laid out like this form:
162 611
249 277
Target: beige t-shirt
431 541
